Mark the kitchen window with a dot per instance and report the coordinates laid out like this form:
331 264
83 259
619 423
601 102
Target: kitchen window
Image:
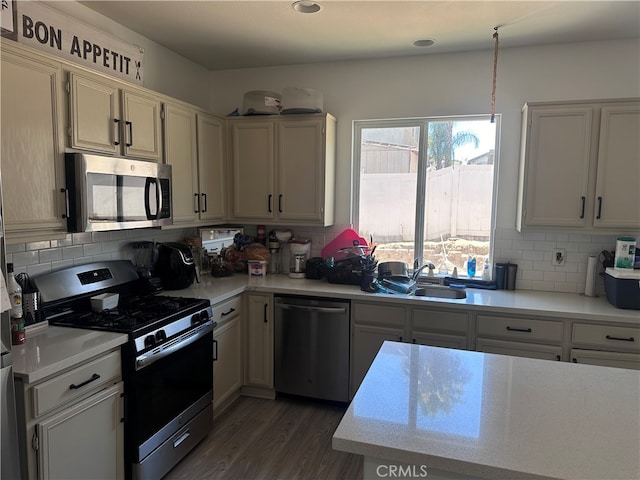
425 189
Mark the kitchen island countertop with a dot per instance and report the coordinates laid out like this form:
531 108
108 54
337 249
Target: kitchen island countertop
478 415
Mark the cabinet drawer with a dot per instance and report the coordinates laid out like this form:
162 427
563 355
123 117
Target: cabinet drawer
519 349
433 320
76 383
520 328
606 359
607 336
377 314
227 309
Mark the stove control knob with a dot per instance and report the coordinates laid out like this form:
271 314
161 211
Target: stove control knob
161 336
204 316
149 341
195 319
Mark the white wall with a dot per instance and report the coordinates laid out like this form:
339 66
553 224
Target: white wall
444 85
164 70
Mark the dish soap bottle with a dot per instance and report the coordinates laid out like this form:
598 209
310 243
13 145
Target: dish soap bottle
486 272
471 265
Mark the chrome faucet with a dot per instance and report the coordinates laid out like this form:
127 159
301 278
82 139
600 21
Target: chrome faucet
417 270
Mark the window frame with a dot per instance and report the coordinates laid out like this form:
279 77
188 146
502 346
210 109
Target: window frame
423 124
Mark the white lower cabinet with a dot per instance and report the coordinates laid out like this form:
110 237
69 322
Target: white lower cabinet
366 341
259 343
607 345
520 336
227 366
439 328
71 425
519 349
371 325
84 441
606 359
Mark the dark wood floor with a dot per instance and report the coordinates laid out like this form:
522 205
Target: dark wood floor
287 438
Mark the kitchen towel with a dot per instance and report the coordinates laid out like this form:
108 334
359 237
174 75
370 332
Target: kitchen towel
5 303
590 282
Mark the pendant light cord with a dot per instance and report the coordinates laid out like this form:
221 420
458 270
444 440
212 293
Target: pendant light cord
495 73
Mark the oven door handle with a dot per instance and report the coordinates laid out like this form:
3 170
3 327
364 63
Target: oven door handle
174 345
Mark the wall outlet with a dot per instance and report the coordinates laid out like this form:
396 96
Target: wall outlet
559 256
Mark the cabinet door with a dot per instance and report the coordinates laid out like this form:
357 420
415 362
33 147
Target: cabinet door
181 153
606 359
32 144
439 340
519 349
366 341
142 128
211 169
95 114
253 161
557 159
227 367
84 441
617 184
259 372
300 170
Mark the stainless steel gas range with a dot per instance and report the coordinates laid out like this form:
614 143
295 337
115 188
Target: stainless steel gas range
167 364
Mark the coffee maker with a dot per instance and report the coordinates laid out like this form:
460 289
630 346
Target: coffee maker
298 259
146 254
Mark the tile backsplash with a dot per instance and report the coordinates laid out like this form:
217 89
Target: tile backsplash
531 251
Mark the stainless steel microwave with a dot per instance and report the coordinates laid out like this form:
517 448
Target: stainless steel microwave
110 193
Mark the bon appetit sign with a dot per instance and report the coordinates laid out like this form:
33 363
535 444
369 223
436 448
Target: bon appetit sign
45 28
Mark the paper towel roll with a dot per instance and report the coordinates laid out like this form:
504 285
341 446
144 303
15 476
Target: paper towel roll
590 283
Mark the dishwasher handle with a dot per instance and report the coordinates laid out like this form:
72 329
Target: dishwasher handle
288 306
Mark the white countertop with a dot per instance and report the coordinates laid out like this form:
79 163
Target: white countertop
50 350
495 416
522 302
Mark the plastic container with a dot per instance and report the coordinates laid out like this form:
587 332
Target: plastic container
261 102
622 288
301 100
257 271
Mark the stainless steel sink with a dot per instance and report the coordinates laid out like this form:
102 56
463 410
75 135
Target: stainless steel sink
439 291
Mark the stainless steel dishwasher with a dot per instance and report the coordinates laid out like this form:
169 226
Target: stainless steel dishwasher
312 347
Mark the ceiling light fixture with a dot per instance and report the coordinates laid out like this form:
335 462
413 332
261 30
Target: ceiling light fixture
427 42
306 6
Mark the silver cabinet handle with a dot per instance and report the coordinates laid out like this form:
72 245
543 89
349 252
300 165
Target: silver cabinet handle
181 439
286 306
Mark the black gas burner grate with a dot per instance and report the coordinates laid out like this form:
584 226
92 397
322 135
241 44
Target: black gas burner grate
132 314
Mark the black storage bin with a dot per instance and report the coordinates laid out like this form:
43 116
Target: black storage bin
623 288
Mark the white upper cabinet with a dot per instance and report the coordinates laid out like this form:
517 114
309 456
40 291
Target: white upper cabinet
32 145
194 149
580 166
618 179
108 118
211 167
182 154
283 169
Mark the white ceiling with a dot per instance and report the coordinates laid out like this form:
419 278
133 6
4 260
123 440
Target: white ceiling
239 34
